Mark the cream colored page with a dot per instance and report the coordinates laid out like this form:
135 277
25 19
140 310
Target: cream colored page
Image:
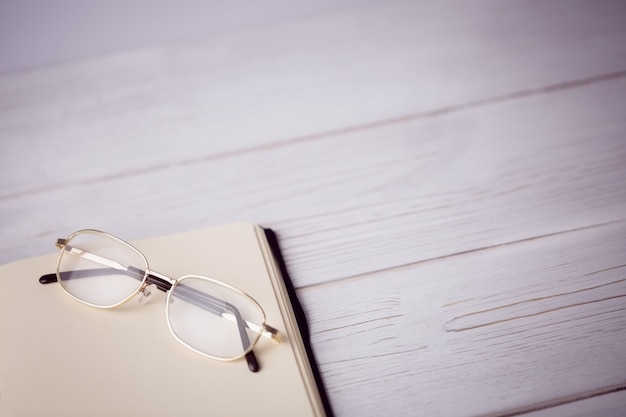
59 357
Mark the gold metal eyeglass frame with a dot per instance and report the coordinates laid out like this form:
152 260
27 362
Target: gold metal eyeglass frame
151 279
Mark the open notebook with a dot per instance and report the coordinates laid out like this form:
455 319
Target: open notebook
61 357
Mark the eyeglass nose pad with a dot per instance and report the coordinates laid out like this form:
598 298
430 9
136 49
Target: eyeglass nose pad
146 293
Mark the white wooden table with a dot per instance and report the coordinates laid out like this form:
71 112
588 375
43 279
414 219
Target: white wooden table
447 180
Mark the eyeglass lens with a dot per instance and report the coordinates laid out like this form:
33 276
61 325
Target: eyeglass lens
212 318
100 270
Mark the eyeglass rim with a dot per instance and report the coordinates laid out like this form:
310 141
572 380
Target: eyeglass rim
173 282
142 283
230 287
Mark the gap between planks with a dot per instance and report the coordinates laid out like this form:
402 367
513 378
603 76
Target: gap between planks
437 258
461 323
332 133
560 401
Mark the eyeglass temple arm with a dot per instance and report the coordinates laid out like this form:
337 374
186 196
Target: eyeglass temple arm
209 303
163 285
162 282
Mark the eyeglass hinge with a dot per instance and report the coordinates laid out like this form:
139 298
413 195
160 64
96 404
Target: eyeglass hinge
272 333
61 243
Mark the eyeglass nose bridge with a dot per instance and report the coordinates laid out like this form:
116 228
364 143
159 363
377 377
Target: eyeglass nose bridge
160 281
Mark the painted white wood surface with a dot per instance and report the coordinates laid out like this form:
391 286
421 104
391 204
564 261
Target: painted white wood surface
495 331
448 182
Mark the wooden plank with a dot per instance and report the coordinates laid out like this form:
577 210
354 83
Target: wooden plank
378 198
493 332
149 109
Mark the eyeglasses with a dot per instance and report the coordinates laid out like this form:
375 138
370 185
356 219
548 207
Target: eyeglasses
210 317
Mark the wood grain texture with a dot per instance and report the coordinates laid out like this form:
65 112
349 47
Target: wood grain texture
498 331
447 181
274 84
